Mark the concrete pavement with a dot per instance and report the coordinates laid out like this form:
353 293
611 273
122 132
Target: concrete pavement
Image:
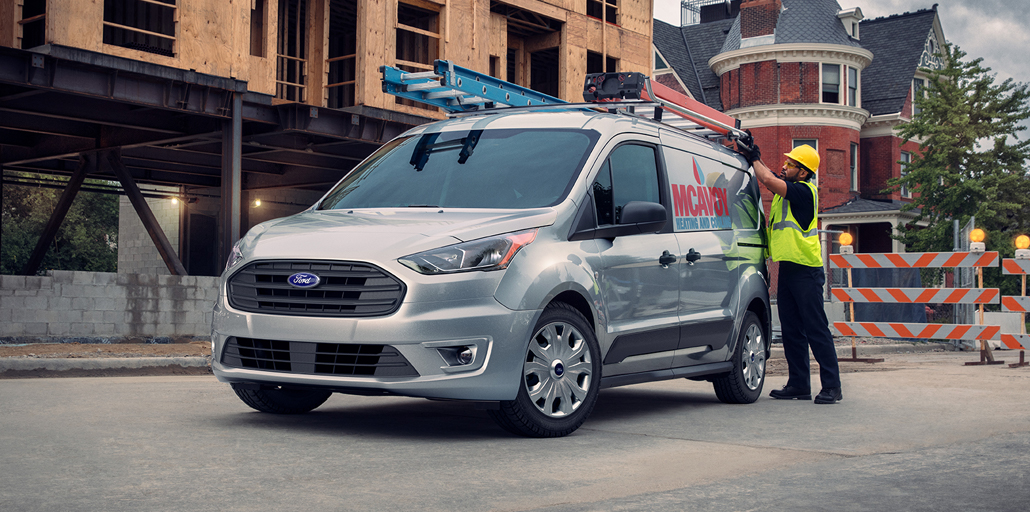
918 432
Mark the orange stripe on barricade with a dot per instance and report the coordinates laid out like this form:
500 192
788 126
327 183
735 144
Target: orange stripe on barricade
986 259
1010 341
987 297
929 331
957 332
1011 266
955 259
898 295
925 260
839 261
870 262
989 332
870 296
955 296
873 330
842 295
844 329
1011 304
897 260
901 330
924 298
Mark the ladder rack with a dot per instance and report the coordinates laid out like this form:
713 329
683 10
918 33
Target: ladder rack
456 90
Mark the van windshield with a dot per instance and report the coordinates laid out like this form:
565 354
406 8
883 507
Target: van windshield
475 169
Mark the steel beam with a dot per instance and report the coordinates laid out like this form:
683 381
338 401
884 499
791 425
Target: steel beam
232 177
164 247
86 164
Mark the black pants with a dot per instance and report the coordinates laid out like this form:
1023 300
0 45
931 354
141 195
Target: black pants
799 298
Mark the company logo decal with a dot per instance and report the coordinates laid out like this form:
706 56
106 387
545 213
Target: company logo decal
304 280
697 207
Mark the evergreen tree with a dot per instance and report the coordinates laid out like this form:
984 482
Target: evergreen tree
971 162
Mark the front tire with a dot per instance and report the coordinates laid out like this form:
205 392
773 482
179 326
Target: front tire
743 385
278 400
561 377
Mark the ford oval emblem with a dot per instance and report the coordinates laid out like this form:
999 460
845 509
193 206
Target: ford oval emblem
304 280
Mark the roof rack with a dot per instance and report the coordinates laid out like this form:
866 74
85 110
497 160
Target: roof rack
459 90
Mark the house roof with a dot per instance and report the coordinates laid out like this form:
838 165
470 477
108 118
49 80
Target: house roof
859 205
704 42
802 21
896 43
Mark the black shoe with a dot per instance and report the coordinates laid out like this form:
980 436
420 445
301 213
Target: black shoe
791 393
829 396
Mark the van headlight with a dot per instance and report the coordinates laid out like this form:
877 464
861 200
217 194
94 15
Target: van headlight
235 255
492 253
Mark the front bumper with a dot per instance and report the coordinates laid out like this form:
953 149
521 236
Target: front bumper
424 333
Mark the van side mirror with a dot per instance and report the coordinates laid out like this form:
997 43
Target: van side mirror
645 215
636 217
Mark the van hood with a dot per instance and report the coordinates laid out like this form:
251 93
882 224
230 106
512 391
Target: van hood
382 234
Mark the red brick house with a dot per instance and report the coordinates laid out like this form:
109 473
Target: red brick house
809 72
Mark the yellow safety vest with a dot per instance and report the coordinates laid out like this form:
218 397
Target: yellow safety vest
789 241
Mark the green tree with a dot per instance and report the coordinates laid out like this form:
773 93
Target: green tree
86 239
971 161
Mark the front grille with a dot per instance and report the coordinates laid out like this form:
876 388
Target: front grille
347 289
302 357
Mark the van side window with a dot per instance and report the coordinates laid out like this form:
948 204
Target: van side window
629 174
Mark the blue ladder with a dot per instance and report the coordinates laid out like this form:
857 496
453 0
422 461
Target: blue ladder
457 89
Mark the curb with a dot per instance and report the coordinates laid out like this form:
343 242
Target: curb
98 363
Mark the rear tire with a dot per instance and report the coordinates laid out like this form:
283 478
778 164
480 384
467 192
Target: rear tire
282 401
561 377
743 385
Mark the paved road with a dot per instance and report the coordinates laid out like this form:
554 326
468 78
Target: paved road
921 433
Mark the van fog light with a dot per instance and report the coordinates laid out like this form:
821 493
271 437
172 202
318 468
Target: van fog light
465 356
461 355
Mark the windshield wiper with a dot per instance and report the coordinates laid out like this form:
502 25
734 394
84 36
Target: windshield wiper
422 206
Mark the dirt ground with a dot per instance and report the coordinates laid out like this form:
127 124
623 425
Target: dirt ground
80 350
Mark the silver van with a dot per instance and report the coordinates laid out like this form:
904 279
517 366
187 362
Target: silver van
522 259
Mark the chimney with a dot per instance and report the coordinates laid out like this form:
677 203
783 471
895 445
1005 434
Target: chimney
758 17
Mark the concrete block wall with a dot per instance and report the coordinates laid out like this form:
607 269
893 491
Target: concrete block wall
105 307
137 253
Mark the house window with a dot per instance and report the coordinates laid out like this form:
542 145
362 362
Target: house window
854 166
418 42
852 87
145 25
918 89
343 31
291 51
33 24
659 62
607 10
257 28
906 158
831 83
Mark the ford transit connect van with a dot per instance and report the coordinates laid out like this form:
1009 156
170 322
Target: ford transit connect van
521 259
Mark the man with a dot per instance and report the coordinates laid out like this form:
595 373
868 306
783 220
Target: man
794 242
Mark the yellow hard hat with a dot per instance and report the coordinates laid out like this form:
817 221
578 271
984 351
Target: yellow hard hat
806 156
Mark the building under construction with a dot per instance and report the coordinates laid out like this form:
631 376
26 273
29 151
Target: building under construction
214 115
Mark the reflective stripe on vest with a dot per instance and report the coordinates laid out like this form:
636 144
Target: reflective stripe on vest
788 241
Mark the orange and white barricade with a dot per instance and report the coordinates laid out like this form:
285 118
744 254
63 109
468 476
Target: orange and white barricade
1018 266
980 296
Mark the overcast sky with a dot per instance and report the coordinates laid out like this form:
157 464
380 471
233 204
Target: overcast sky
996 30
